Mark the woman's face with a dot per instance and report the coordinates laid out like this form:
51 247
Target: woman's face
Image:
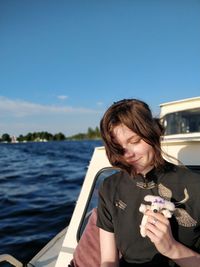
137 152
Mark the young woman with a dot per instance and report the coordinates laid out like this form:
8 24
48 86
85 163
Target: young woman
132 142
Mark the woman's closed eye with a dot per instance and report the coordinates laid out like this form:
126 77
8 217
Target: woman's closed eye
135 140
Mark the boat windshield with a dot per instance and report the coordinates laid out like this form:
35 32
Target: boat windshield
93 198
187 121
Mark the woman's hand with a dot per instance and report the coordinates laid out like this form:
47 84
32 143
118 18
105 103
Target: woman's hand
158 229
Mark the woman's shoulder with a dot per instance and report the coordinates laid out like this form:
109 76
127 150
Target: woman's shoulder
182 173
112 182
186 172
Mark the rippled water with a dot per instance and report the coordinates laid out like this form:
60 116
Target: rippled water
39 185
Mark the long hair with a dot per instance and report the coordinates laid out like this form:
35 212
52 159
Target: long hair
137 116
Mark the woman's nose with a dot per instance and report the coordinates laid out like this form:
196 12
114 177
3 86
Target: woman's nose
128 153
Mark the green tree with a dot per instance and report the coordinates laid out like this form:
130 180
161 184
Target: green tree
90 133
6 137
59 137
29 137
21 138
97 131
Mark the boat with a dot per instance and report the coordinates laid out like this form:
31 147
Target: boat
181 120
14 139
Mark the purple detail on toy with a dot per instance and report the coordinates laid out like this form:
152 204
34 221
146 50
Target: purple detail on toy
161 201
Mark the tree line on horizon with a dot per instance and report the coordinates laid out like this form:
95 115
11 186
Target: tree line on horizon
91 134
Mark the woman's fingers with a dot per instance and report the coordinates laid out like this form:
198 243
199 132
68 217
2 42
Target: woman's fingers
157 223
158 229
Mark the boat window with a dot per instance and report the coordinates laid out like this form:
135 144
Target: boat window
93 199
187 121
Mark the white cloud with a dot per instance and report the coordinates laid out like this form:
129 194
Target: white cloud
20 117
62 97
20 108
100 103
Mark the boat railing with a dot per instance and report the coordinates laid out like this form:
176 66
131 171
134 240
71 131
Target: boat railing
10 259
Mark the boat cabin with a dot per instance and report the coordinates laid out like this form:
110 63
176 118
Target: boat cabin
181 117
181 120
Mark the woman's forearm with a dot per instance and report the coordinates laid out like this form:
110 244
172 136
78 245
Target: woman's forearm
183 256
109 252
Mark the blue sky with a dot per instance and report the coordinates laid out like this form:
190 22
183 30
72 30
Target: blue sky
63 62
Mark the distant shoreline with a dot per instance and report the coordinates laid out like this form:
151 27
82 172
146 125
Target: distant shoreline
92 134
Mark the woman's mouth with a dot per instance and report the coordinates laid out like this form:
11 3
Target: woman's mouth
133 161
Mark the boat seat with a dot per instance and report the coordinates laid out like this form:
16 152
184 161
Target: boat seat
87 252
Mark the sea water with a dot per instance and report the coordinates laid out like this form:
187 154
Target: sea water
39 186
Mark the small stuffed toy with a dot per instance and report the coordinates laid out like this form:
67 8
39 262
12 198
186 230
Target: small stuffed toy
158 204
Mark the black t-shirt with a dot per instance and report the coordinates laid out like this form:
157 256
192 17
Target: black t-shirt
120 197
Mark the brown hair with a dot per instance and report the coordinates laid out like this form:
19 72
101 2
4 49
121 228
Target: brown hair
137 116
